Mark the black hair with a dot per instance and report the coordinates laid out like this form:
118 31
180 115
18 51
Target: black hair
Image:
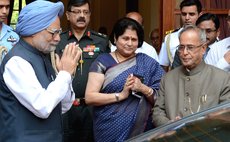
209 16
126 23
197 3
77 3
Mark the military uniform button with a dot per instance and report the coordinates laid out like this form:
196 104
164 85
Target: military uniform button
185 109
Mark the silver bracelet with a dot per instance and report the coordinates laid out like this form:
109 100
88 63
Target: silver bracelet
117 97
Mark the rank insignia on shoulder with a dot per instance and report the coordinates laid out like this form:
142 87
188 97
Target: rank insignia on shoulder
171 31
103 35
11 39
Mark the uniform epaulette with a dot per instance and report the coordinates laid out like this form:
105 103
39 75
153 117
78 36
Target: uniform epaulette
171 31
99 34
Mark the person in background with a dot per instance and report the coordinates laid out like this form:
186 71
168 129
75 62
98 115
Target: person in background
77 122
32 97
211 25
219 54
155 40
8 38
118 113
192 87
103 30
190 11
145 48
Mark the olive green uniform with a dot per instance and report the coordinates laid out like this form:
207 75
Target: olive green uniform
78 124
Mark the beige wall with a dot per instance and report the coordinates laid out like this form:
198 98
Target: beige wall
106 12
150 11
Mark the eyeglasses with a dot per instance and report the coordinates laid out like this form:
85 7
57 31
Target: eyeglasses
189 48
78 12
54 32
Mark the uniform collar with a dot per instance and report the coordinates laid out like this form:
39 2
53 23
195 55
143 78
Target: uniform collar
87 34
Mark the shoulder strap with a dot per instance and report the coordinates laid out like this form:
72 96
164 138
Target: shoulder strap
3 51
168 49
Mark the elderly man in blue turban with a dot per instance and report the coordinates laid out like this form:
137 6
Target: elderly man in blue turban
32 96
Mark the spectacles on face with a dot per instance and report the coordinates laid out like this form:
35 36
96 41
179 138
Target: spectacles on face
54 32
189 48
78 12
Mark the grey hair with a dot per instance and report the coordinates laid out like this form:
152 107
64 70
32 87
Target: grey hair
201 33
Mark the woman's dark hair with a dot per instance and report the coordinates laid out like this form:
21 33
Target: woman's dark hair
127 23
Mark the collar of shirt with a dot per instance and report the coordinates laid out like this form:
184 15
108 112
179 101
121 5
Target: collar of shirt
196 70
87 34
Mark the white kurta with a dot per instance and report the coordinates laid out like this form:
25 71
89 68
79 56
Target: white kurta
216 53
20 78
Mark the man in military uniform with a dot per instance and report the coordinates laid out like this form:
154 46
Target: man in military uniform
8 38
190 11
78 121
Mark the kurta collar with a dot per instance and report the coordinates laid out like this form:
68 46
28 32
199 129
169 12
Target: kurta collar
196 70
29 47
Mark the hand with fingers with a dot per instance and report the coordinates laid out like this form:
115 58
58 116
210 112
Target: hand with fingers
127 87
69 59
137 84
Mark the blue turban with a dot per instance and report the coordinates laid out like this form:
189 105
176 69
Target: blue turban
38 16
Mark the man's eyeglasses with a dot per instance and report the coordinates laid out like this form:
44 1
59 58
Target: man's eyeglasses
78 12
54 32
189 48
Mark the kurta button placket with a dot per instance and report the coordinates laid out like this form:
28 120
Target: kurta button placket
185 109
187 94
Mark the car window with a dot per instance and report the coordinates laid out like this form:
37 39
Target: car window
212 125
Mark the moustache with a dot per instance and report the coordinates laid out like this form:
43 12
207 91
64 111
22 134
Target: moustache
81 19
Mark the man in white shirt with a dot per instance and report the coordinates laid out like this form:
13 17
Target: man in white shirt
219 54
211 25
32 96
190 11
145 48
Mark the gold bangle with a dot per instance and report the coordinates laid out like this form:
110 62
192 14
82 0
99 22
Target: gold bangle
150 92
